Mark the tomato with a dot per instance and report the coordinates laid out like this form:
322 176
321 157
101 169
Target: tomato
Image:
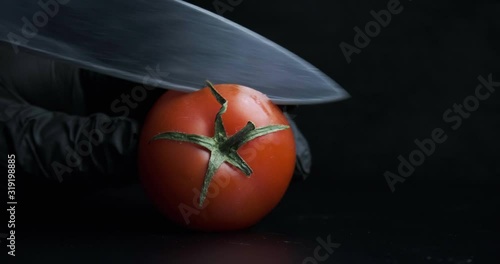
220 158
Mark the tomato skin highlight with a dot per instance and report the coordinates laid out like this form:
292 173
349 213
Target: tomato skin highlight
172 172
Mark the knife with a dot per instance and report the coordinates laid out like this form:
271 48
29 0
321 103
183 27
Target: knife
125 38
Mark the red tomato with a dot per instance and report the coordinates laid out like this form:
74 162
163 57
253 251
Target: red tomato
174 172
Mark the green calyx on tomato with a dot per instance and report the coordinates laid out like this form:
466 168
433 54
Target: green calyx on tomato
222 148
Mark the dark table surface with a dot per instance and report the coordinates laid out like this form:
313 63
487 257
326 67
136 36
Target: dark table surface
425 224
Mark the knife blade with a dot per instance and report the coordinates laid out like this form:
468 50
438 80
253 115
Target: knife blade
123 38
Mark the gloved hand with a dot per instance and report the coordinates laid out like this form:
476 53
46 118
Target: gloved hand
46 121
58 121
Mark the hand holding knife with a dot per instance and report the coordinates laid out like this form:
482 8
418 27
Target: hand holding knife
121 39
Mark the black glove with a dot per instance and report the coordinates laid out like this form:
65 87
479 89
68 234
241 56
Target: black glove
45 121
56 119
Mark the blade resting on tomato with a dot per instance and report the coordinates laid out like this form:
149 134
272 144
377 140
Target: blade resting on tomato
170 44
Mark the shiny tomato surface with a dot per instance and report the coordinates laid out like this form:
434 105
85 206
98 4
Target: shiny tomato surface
172 172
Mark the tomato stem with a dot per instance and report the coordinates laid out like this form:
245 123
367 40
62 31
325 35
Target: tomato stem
222 149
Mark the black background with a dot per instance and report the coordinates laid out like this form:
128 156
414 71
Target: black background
428 58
